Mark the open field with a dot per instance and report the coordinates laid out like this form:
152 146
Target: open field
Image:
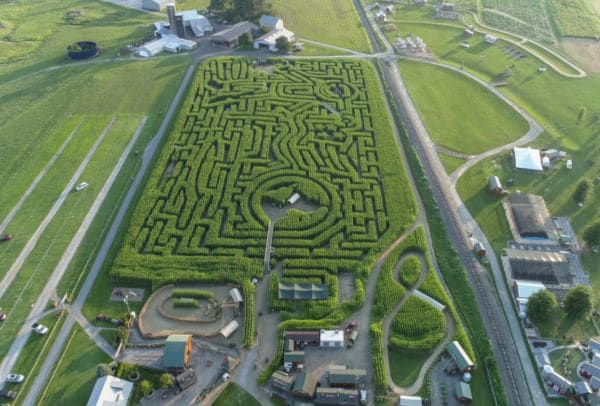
235 395
525 17
77 364
211 193
574 18
334 22
452 117
30 44
564 361
585 52
405 366
451 163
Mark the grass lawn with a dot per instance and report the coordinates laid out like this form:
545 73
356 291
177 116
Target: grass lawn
405 366
234 395
564 361
460 114
451 163
77 364
334 22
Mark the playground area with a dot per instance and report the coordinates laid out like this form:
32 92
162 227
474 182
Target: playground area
160 316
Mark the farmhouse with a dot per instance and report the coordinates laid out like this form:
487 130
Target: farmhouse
177 351
155 5
229 328
331 338
110 390
524 289
531 216
230 36
463 392
550 268
528 159
170 42
305 385
346 377
303 291
269 40
336 396
460 357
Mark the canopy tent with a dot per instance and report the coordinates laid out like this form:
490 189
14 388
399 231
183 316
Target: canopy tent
528 159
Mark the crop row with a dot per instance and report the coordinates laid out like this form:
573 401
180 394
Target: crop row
417 326
574 18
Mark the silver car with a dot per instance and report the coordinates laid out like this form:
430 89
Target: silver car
15 378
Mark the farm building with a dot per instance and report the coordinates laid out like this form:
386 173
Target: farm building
230 36
293 360
293 198
530 216
410 401
269 40
282 380
468 33
171 43
288 345
494 186
275 23
346 377
589 370
155 5
596 359
236 295
336 396
229 328
524 289
460 357
304 337
554 381
544 266
305 385
332 338
594 345
303 291
110 390
490 39
177 351
528 159
463 392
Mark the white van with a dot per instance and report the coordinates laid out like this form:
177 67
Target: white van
81 186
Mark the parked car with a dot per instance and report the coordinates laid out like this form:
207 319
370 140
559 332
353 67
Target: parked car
81 186
8 394
2 315
15 378
39 328
6 237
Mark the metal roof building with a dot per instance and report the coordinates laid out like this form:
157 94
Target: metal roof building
545 266
531 216
236 295
155 5
524 289
177 351
229 328
305 385
336 396
271 21
110 390
229 37
463 392
346 377
460 357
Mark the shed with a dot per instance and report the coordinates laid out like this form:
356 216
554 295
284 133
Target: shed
494 186
293 198
110 390
460 357
336 396
528 159
236 295
229 328
305 385
410 401
293 359
271 21
531 216
332 338
282 380
490 39
230 36
177 351
346 377
463 392
304 337
155 5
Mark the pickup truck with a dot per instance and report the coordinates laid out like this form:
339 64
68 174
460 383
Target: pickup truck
39 328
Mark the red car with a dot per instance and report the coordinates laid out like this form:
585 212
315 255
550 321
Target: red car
6 237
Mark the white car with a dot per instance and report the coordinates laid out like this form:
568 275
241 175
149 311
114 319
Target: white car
81 186
15 378
39 328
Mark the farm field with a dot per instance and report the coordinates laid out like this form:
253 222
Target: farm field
405 366
31 44
453 123
334 22
417 326
77 364
526 17
235 395
574 18
207 202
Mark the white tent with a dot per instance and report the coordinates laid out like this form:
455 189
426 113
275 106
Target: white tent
528 158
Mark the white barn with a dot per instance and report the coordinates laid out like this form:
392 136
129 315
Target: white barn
229 328
170 43
332 338
155 5
109 390
275 23
269 39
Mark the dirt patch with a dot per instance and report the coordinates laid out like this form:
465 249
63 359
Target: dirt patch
133 294
585 51
345 287
596 6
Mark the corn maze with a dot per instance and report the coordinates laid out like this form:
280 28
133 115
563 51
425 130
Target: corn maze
245 138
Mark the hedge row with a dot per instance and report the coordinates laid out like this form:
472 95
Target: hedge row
186 302
192 293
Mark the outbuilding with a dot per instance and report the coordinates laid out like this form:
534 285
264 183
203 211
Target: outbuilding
177 351
110 390
229 328
332 338
282 380
336 396
494 186
269 40
155 5
230 36
346 377
293 360
463 392
410 401
460 357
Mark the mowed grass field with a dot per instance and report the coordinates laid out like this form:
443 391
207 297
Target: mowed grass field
460 114
334 22
77 364
235 395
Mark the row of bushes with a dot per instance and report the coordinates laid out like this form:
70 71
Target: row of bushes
192 293
186 302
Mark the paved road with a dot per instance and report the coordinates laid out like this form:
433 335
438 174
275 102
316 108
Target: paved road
149 153
37 180
33 240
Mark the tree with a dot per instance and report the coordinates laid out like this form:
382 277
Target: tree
541 305
165 381
219 5
245 39
578 301
282 44
146 387
591 235
581 191
249 9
